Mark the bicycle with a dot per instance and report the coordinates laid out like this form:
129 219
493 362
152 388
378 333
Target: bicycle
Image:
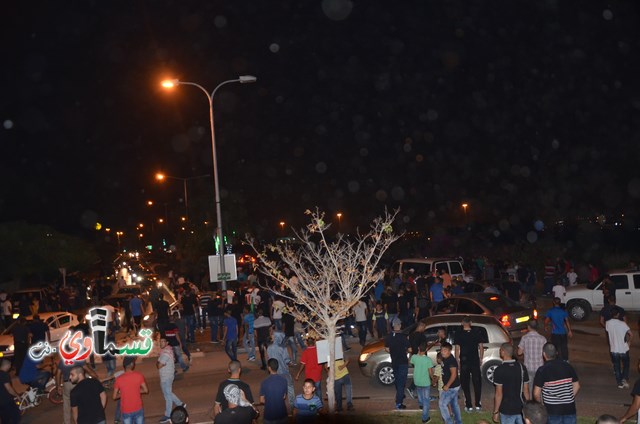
32 397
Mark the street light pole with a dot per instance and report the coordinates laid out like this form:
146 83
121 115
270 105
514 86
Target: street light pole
243 79
160 176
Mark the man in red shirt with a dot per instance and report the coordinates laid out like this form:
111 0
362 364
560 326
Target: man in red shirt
309 363
129 388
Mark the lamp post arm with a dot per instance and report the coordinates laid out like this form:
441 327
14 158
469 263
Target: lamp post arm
213 93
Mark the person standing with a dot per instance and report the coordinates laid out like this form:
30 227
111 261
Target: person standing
512 388
136 305
235 370
560 328
342 379
9 412
381 321
129 388
88 398
390 303
422 375
619 342
273 392
278 351
171 332
276 313
204 300
166 370
436 293
469 345
230 335
307 405
415 340
289 324
360 312
451 386
189 305
249 338
397 344
309 363
239 411
39 330
531 346
556 385
214 308
65 386
162 309
20 333
262 325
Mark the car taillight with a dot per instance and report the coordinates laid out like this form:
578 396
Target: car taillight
535 314
505 320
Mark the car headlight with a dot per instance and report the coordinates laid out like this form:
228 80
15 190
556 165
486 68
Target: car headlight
364 357
138 278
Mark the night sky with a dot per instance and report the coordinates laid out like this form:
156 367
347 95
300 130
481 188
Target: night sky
523 109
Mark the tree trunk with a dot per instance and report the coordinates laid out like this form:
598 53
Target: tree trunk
331 378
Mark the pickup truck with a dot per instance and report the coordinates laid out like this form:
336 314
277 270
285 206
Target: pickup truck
582 299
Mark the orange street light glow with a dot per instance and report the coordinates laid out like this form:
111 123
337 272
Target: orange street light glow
160 176
169 83
464 205
150 202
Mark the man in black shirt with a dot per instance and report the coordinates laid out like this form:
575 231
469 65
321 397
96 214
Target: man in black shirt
20 334
469 351
161 307
397 344
451 386
390 303
9 412
39 330
239 411
88 398
556 385
235 370
214 310
189 304
512 382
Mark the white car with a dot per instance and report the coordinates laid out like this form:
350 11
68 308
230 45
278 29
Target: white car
58 322
582 299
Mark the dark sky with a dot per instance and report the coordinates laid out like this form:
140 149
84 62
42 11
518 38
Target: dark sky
523 109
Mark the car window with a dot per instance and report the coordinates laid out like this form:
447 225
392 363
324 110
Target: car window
64 320
447 306
453 329
455 267
431 334
621 282
442 266
466 306
52 322
636 281
419 268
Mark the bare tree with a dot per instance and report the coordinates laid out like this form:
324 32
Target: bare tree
332 275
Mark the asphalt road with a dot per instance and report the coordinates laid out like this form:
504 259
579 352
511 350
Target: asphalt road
588 354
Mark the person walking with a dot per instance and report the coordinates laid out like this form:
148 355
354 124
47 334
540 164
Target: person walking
512 388
205 298
451 386
469 348
262 326
360 312
634 408
172 334
166 370
273 393
136 305
620 336
214 309
189 305
9 412
239 410
230 335
129 388
558 319
278 351
307 405
249 338
235 370
556 385
415 340
88 398
531 346
161 309
397 344
422 376
65 386
289 324
309 363
20 333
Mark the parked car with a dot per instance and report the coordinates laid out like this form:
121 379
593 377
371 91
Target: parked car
512 315
429 266
58 322
582 299
375 361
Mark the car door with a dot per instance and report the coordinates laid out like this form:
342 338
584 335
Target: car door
635 292
62 325
624 297
456 269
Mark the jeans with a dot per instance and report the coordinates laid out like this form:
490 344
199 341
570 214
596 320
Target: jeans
249 343
561 419
346 382
214 326
561 343
471 373
41 380
117 415
169 397
203 318
621 374
400 372
290 341
390 319
191 327
136 417
511 419
424 395
111 366
278 324
178 355
231 348
362 332
450 398
291 391
262 348
300 341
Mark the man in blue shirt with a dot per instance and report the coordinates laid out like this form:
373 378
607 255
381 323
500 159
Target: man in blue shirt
136 305
560 328
436 292
273 392
32 375
230 336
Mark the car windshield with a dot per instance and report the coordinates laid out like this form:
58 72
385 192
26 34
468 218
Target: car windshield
498 303
419 268
592 285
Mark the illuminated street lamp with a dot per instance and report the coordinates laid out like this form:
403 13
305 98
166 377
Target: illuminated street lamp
282 226
118 235
465 206
339 215
243 79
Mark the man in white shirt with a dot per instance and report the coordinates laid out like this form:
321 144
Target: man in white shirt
572 277
619 340
560 292
276 313
360 312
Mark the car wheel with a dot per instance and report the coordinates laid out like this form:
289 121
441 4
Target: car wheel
384 374
489 369
579 310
